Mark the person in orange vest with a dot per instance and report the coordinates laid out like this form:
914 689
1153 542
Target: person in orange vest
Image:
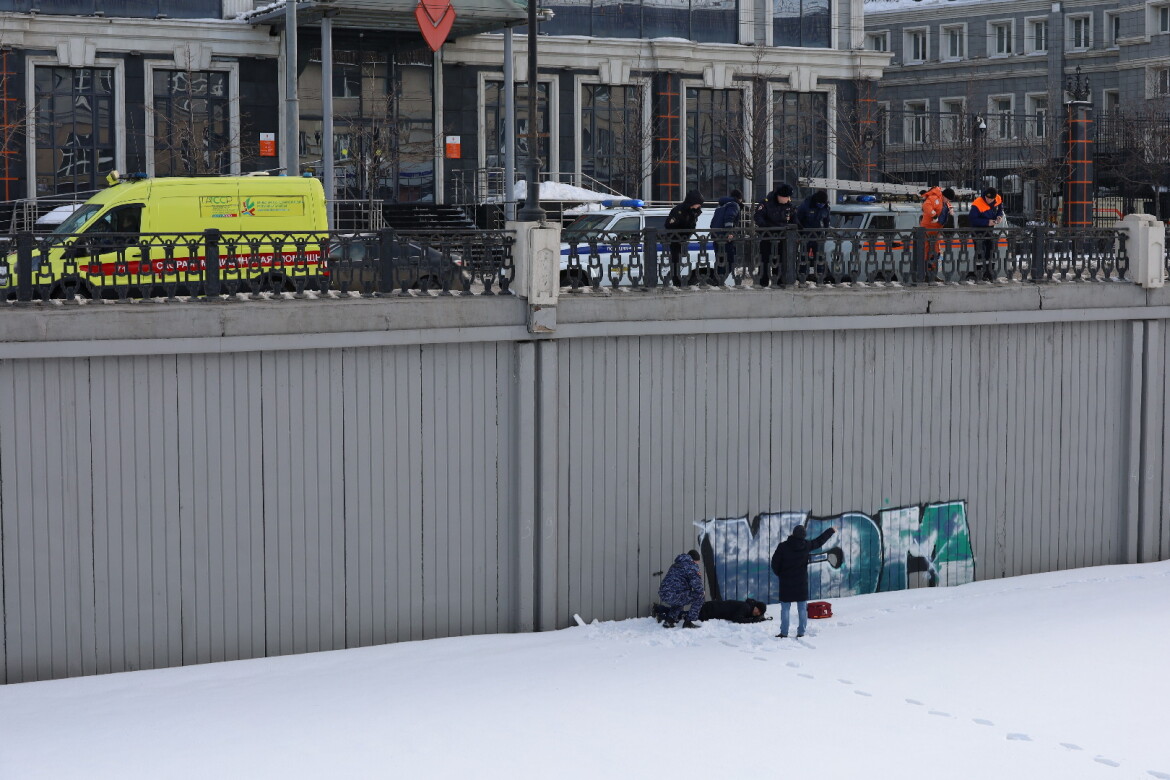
986 212
936 214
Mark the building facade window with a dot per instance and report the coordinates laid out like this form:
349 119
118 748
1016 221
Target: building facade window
915 46
494 119
1161 82
801 23
713 165
75 144
955 41
705 21
614 136
878 41
1111 100
916 130
952 118
800 135
1036 40
1001 108
1158 18
192 124
1080 32
1038 116
1112 28
1000 37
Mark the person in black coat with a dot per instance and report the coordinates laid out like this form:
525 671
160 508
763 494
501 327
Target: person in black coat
775 213
681 221
790 564
814 216
746 611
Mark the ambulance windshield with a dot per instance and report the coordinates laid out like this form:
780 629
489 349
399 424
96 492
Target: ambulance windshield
77 219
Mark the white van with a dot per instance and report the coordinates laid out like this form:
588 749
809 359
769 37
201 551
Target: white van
625 224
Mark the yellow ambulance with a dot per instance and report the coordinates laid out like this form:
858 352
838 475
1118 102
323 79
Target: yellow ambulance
148 235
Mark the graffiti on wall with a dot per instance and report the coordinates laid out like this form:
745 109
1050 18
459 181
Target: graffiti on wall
901 548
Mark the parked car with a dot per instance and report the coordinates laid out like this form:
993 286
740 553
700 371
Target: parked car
355 264
617 233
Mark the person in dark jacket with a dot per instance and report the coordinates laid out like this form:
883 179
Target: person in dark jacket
790 564
986 211
774 214
725 231
682 589
682 219
813 215
746 611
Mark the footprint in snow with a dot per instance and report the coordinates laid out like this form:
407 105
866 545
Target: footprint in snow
942 714
845 682
983 722
914 701
729 644
1106 761
1019 737
1071 746
863 693
806 676
759 658
793 664
1159 775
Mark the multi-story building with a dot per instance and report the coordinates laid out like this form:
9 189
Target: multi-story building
976 91
647 97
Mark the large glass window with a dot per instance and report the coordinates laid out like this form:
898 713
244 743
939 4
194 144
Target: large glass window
614 137
713 117
800 127
383 139
75 128
708 21
191 123
801 23
494 120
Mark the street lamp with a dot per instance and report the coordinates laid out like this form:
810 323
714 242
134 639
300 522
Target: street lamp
532 212
979 130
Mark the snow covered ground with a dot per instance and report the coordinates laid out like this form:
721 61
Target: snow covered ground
1058 675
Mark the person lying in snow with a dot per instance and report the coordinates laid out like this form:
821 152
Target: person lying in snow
747 611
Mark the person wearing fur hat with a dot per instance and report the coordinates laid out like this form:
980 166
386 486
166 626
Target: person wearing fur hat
790 564
735 611
681 591
774 214
681 221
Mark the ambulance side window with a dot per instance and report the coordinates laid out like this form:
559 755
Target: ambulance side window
121 219
115 229
882 222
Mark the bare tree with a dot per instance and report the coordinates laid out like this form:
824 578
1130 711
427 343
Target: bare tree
192 121
1134 153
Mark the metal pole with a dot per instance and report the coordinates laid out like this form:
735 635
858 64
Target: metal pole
509 128
532 212
292 152
327 112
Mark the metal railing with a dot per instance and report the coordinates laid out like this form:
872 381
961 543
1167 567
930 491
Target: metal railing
211 264
790 257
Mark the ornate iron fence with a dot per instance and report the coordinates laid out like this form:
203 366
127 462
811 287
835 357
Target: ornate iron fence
790 257
212 264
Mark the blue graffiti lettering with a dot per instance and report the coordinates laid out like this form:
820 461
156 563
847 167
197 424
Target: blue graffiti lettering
905 547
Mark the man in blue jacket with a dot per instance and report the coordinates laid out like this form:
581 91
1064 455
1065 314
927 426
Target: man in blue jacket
986 211
682 588
813 216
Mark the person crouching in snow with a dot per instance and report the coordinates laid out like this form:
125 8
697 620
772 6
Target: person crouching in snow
682 588
790 564
746 611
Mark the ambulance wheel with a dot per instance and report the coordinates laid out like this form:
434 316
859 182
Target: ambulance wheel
428 283
276 282
70 287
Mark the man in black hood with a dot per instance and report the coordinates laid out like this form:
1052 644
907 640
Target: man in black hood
681 222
